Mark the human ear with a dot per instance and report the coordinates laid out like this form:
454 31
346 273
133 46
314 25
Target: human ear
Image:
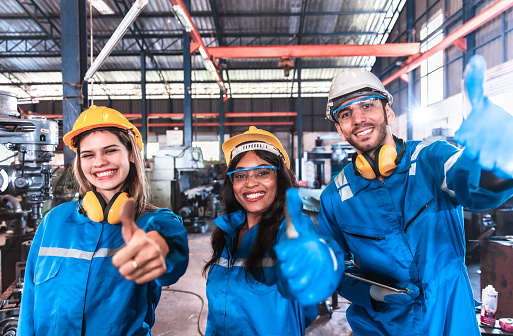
390 114
339 130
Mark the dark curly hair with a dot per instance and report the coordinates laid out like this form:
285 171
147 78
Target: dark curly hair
269 223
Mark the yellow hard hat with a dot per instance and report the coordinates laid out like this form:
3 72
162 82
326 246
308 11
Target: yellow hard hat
250 137
99 117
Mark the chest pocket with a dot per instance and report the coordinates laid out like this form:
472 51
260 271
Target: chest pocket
371 248
46 285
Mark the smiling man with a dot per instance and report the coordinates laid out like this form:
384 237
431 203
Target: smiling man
397 211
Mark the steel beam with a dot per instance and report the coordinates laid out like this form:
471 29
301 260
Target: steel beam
43 21
144 112
299 123
74 62
214 124
196 37
195 115
314 51
414 61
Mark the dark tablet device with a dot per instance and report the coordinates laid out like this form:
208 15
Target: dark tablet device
362 277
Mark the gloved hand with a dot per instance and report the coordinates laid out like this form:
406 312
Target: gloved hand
385 295
308 266
487 133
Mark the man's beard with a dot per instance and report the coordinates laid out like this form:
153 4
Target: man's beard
370 147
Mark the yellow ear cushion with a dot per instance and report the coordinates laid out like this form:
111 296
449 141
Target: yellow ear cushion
93 207
113 217
364 168
387 156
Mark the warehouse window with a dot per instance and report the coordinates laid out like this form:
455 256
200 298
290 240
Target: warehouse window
431 70
210 149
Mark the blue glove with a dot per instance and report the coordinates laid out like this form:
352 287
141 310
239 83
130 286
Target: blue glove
400 299
487 133
308 266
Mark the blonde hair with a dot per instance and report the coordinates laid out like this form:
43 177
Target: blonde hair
136 181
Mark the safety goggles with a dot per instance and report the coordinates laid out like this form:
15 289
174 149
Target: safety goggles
260 174
367 103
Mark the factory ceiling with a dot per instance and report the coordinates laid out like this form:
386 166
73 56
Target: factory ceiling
256 46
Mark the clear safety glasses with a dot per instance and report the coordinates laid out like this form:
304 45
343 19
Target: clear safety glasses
260 174
364 104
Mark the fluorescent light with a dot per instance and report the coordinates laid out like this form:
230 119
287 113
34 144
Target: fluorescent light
182 18
203 52
101 7
209 66
118 34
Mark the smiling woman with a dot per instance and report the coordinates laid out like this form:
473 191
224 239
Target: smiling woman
87 273
243 286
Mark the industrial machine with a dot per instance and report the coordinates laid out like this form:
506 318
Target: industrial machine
180 181
200 204
327 162
25 184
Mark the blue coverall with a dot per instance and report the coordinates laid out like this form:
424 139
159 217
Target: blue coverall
409 228
238 306
72 288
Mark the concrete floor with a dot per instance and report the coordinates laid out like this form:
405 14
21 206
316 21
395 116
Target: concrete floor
183 307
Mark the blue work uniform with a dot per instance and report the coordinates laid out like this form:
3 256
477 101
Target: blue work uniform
240 305
71 287
409 228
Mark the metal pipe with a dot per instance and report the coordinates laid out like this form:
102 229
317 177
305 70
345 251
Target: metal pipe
118 34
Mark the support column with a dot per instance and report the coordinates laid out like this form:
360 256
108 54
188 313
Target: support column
410 20
469 11
144 112
221 120
74 65
187 82
299 122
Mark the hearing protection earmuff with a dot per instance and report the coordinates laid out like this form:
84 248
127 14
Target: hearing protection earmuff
386 161
94 206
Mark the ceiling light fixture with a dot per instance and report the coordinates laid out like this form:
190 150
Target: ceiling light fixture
182 18
129 18
101 7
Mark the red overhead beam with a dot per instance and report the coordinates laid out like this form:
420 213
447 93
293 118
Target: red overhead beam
199 115
199 45
471 25
213 124
330 50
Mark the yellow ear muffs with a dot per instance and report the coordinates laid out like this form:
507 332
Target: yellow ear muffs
94 206
113 209
386 162
364 166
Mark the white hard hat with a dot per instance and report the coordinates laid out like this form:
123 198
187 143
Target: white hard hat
353 83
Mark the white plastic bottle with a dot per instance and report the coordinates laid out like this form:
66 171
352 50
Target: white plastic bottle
489 307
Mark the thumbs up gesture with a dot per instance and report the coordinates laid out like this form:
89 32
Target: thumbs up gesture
142 259
487 133
309 269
